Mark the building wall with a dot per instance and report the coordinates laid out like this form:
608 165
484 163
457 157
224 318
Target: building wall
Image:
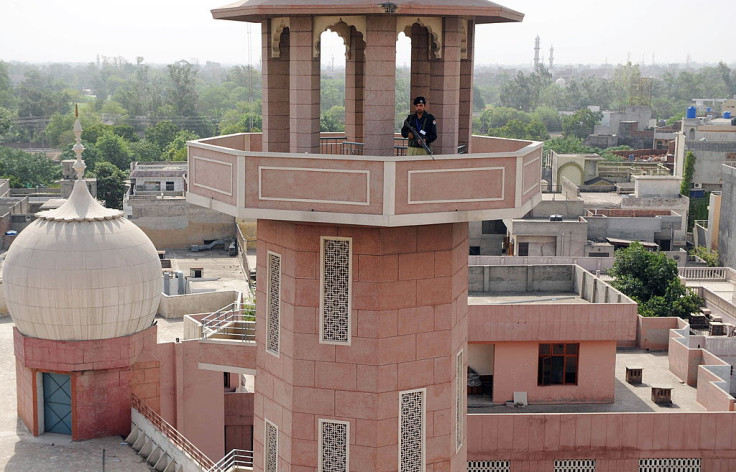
727 224
615 440
515 370
174 223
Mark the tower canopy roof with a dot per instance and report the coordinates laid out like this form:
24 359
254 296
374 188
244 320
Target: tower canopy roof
256 10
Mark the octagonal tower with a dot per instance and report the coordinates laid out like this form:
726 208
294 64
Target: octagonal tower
362 259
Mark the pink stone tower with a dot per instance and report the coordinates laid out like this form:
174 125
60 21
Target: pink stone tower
362 260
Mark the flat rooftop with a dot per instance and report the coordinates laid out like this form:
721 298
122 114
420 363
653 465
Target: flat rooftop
215 264
627 398
547 298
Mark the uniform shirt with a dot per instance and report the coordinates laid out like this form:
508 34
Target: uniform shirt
427 124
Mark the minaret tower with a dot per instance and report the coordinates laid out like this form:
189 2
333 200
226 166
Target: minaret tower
536 53
361 316
551 57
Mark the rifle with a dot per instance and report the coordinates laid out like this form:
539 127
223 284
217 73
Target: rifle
418 137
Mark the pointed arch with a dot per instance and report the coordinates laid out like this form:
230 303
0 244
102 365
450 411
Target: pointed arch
340 25
278 25
434 28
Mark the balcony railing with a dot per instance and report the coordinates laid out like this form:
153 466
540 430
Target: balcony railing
172 434
235 321
703 273
234 461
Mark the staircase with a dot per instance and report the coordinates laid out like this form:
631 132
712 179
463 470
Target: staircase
236 460
236 321
164 448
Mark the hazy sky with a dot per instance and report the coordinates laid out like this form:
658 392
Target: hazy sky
163 31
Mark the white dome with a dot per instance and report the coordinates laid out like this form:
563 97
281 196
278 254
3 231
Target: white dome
82 272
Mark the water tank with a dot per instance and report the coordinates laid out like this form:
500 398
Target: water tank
691 113
708 109
727 115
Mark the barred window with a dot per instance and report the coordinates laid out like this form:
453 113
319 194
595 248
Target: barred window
273 310
411 431
575 465
488 466
271 448
669 465
334 439
335 290
460 392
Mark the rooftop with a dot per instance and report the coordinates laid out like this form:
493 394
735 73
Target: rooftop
628 398
546 298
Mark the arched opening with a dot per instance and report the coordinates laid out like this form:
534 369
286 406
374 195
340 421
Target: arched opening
403 88
332 89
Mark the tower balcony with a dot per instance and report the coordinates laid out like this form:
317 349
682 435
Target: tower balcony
499 178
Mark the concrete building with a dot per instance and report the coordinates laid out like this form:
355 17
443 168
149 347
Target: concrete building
727 221
156 202
631 126
713 141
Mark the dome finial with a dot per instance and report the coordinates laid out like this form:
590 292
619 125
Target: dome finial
79 166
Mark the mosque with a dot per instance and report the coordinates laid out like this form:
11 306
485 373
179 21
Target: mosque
364 328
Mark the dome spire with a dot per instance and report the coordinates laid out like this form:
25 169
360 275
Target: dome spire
78 148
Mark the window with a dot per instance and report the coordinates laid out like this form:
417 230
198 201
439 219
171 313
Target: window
271 448
273 303
493 227
523 249
411 431
333 446
575 465
488 466
558 364
336 280
169 186
669 465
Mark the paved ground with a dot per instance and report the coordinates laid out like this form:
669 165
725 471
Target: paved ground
21 452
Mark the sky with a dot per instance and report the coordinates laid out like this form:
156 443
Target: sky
165 31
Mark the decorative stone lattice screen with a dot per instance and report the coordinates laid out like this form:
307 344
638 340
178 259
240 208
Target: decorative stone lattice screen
334 437
335 293
411 431
273 311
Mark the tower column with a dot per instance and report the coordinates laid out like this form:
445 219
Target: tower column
445 89
275 103
465 124
380 85
304 87
355 88
420 69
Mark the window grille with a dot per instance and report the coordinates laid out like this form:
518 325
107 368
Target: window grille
273 311
669 465
488 466
411 431
336 280
575 465
460 392
271 447
334 437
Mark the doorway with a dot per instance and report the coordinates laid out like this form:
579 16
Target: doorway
57 403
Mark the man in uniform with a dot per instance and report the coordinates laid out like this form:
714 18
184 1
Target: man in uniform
424 124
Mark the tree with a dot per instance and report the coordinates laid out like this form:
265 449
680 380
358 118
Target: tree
581 123
687 174
567 145
651 280
176 150
114 149
27 170
110 184
162 133
182 92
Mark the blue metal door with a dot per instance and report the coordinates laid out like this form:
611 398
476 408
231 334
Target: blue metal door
57 403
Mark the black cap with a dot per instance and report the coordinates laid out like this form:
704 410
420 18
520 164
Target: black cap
419 100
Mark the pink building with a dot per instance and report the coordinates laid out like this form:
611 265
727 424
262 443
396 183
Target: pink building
368 315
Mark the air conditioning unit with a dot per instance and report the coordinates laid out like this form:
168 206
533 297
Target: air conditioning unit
698 185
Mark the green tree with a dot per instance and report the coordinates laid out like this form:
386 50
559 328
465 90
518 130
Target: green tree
250 122
687 174
182 91
709 256
110 184
581 123
176 150
549 117
567 145
162 133
115 150
651 280
27 170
